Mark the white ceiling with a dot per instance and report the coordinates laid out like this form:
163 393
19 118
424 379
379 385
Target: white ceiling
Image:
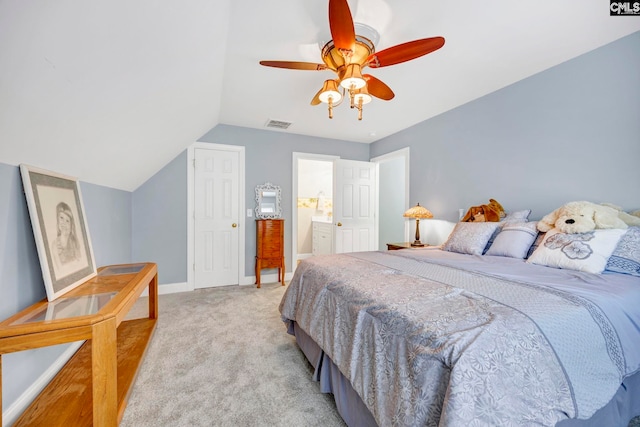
110 91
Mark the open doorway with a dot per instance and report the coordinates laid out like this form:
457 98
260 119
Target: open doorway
334 206
393 188
312 200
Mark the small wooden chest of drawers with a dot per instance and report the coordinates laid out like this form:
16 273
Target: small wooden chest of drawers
270 247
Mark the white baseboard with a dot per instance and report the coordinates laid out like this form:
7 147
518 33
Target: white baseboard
18 407
173 288
170 288
266 278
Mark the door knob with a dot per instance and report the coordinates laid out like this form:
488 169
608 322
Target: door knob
234 225
339 224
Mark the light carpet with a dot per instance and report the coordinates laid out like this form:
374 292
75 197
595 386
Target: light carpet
222 357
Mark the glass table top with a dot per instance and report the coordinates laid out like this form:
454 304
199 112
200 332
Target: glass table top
121 269
65 308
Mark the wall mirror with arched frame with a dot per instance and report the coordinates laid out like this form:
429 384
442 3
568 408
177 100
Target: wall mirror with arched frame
268 201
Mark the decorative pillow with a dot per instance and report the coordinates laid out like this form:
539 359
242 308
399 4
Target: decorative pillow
514 240
470 237
626 256
578 251
517 216
536 242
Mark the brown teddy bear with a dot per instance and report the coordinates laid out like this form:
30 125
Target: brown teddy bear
491 212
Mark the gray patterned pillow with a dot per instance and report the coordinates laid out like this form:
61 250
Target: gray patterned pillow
626 256
514 240
511 218
517 216
470 237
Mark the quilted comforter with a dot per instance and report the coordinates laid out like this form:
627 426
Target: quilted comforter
428 337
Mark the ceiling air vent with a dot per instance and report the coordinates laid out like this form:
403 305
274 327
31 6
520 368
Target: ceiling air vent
278 124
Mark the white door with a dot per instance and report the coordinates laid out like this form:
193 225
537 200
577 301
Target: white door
216 218
354 215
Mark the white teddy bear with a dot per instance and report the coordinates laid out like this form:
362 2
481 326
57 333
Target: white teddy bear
580 217
632 218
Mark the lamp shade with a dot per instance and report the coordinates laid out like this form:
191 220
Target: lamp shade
361 96
418 212
330 92
352 78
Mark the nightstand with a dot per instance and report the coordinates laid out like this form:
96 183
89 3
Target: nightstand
404 245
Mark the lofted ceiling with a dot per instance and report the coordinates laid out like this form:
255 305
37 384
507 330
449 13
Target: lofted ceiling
111 91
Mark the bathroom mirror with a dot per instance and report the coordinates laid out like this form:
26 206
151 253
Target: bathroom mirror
268 202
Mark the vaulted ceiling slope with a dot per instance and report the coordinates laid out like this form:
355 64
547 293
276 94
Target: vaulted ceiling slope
110 91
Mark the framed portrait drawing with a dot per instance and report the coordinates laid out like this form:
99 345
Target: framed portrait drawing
60 229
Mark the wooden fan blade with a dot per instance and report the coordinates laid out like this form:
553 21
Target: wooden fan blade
378 88
293 65
316 99
341 25
404 52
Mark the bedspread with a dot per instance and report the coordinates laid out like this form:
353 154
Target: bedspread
424 342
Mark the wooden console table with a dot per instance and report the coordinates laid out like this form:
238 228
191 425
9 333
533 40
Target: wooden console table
93 386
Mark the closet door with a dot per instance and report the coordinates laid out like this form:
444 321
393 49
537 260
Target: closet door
216 218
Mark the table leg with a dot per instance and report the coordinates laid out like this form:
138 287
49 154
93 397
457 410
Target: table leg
258 268
104 370
153 298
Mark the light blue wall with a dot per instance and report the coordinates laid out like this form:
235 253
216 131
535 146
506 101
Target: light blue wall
160 221
269 158
108 214
160 205
569 133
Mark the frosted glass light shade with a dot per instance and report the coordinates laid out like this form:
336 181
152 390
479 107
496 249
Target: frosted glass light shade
362 94
352 78
330 90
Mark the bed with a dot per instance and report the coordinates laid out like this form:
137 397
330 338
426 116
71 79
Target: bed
423 337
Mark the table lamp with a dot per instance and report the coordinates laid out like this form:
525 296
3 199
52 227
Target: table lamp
418 212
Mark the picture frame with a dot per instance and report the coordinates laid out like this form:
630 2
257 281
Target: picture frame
59 228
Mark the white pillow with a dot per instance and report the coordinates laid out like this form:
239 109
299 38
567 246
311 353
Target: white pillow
470 237
517 216
588 251
514 240
626 257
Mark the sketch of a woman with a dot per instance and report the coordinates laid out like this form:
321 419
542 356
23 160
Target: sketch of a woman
65 248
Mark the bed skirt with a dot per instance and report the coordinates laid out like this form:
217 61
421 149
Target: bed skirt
349 404
624 406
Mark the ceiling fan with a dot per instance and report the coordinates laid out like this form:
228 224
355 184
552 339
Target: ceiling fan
348 54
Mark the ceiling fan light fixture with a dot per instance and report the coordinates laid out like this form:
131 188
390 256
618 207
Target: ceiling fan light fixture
350 49
352 78
330 92
361 96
